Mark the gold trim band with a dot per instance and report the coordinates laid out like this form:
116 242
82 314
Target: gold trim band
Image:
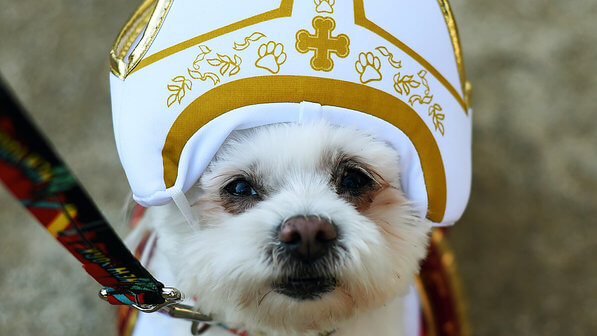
453 282
426 307
333 92
455 37
147 19
284 10
361 20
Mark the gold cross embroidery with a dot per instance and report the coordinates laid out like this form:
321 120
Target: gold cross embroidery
322 43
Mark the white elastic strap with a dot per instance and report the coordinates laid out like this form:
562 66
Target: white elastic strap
309 112
144 260
183 205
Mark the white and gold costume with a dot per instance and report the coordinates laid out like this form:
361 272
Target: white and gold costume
185 73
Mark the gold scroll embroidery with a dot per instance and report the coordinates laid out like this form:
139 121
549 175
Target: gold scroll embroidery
384 51
437 117
361 19
426 99
180 84
179 87
284 10
247 41
226 63
404 84
195 74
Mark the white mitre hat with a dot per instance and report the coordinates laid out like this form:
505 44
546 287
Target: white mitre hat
185 73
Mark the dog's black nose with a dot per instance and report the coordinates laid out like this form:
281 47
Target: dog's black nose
307 237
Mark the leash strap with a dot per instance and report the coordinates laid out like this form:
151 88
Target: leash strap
38 178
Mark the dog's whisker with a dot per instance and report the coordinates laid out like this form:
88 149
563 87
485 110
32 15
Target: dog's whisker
388 231
345 291
263 297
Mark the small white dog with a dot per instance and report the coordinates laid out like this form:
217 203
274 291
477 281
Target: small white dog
304 230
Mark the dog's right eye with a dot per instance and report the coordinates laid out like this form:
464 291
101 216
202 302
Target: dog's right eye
240 188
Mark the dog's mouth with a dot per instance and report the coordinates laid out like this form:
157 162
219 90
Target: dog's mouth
305 288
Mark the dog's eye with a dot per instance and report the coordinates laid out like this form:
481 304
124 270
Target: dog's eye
240 188
354 182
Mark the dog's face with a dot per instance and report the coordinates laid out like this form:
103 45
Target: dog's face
302 227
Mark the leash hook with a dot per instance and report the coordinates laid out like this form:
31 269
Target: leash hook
171 306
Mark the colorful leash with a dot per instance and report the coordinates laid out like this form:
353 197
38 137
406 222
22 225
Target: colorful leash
39 179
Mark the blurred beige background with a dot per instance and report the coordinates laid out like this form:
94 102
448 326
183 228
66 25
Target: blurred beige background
525 246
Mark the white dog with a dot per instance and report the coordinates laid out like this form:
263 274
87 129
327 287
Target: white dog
283 219
303 230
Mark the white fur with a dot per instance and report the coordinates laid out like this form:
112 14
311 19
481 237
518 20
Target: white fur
225 264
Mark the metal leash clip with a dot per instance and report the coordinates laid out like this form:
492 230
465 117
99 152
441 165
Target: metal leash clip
171 305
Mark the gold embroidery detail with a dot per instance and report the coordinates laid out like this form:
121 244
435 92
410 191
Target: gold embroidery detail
226 63
251 38
201 56
322 43
179 90
271 56
384 51
182 84
324 6
403 84
368 66
195 74
437 117
326 91
284 10
360 19
426 99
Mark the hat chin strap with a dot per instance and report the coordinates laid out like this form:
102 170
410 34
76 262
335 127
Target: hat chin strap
184 206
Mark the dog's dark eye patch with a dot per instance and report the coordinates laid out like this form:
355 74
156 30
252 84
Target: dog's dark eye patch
239 194
354 182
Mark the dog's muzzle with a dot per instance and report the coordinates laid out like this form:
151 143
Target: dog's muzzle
306 244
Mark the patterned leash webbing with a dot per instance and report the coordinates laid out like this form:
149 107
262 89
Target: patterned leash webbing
37 177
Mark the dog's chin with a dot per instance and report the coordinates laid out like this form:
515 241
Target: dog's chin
302 306
311 288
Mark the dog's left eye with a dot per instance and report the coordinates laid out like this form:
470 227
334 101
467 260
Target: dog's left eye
240 188
354 182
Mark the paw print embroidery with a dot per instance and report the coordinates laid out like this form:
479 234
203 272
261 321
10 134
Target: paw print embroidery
271 56
368 66
324 6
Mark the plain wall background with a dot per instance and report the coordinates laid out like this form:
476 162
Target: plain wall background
524 246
